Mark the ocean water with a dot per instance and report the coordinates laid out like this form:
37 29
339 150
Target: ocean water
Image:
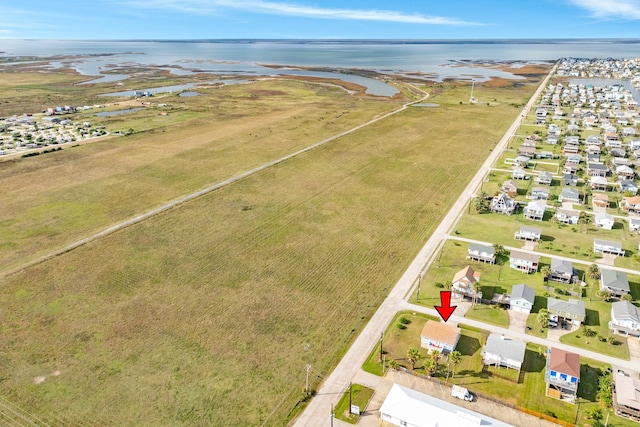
431 59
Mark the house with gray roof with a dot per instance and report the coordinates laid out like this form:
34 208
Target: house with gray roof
531 234
569 195
604 220
572 311
482 253
614 281
608 247
626 395
503 351
544 178
522 298
562 271
535 210
503 204
625 318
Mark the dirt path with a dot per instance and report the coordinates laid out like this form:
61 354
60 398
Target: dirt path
330 391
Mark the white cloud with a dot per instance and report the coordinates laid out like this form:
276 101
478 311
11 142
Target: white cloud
621 9
291 9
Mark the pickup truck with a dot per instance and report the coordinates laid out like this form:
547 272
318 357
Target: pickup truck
461 393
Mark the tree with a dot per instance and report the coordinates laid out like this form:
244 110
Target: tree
430 366
477 287
585 220
604 295
546 272
593 272
413 354
455 358
627 297
543 317
576 248
482 204
604 391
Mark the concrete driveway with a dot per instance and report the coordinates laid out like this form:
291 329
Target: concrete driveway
517 320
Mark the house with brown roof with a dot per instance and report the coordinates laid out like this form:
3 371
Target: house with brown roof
562 374
631 204
463 281
600 200
510 187
439 336
523 261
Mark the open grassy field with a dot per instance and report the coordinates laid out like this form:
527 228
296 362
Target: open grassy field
64 196
207 314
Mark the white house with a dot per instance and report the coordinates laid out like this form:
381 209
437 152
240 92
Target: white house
522 298
608 247
604 220
532 234
568 216
482 253
439 336
463 281
503 351
535 210
625 318
614 281
406 407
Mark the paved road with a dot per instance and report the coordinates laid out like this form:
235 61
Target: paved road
199 193
329 392
631 365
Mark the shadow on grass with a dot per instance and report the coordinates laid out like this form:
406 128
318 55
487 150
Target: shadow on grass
588 385
533 361
592 317
468 346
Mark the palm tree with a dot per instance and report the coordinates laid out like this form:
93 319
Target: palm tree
585 220
435 356
543 317
546 272
477 287
576 248
413 354
430 366
593 272
455 357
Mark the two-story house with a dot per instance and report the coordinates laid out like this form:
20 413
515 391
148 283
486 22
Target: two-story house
439 336
625 318
523 261
614 281
562 374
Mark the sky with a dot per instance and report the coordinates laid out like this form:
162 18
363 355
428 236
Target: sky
319 19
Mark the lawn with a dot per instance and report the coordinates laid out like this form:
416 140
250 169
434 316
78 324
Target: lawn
490 314
215 307
358 395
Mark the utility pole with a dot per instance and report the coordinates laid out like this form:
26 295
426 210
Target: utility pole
381 338
331 415
350 386
306 385
420 276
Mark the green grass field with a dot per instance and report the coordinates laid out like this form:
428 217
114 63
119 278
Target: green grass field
215 307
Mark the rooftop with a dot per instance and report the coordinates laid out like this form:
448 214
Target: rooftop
564 362
441 332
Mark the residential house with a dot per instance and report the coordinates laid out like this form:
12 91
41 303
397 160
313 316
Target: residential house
625 172
482 253
614 281
569 168
628 131
552 139
503 204
522 298
625 318
600 200
567 216
572 311
597 169
562 374
574 158
439 336
569 195
562 271
407 407
531 234
593 140
607 247
618 152
599 183
535 210
631 204
523 261
594 150
628 186
545 155
634 223
539 193
519 174
503 351
510 187
527 150
544 178
570 179
463 283
604 220
569 149
626 395
521 161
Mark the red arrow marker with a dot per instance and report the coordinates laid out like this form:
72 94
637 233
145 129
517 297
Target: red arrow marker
445 309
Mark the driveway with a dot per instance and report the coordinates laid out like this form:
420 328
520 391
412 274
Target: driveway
634 349
517 320
554 334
